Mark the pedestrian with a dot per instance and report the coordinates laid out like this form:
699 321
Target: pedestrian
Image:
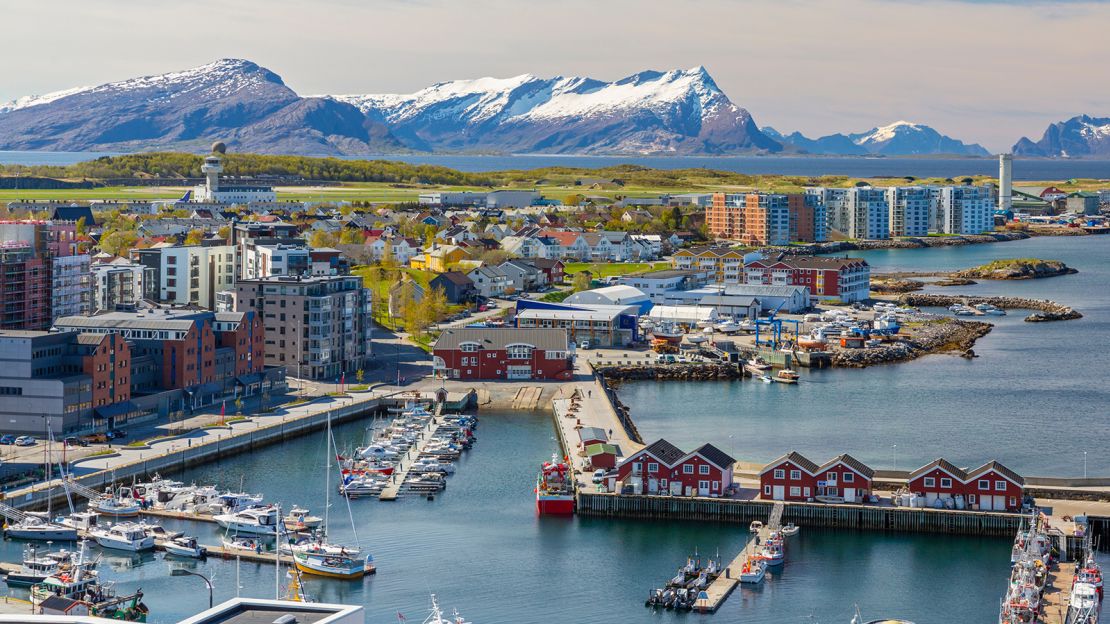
610 432
590 393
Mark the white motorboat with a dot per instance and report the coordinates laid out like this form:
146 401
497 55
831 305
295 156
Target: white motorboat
185 547
256 521
729 327
242 543
299 519
436 616
34 527
989 309
765 379
425 464
377 451
127 536
755 527
367 485
37 567
696 338
119 504
158 532
753 570
790 529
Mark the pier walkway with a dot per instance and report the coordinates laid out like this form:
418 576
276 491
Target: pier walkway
720 589
404 465
1057 593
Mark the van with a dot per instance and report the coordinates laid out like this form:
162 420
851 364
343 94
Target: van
666 358
584 345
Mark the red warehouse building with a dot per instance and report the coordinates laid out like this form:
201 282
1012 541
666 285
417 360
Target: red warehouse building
845 477
792 477
938 480
994 487
663 468
845 279
503 353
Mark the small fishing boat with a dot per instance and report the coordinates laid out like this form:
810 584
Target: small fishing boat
1083 604
753 570
246 544
36 567
298 519
786 376
333 565
989 309
765 379
790 529
668 331
773 552
756 366
185 547
756 526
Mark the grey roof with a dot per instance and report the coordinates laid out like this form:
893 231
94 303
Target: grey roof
795 458
999 468
665 452
592 433
499 338
90 339
267 614
850 462
716 456
728 300
944 465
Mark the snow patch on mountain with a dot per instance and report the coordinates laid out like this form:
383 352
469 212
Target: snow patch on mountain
886 133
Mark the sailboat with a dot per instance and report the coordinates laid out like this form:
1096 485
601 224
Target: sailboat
330 560
33 526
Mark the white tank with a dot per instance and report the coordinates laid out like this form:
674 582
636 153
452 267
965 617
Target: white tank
1005 181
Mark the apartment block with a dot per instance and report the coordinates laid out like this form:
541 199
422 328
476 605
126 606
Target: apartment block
765 218
116 283
319 327
908 208
965 210
186 274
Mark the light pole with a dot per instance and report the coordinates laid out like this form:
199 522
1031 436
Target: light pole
1084 464
895 457
184 572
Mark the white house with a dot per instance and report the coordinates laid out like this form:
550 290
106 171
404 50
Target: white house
490 281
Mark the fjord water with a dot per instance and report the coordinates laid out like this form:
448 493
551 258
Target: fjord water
480 548
1024 169
1035 398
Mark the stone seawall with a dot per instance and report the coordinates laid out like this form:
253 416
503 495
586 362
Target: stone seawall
672 372
935 337
901 243
1045 310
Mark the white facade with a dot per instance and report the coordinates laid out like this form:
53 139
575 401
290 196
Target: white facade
866 213
213 191
70 292
1005 181
966 210
908 210
490 281
119 282
191 274
265 260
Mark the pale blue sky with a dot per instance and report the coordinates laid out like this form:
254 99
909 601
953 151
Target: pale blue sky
987 71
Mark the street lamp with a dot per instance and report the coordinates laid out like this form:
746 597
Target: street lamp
895 457
1084 464
184 572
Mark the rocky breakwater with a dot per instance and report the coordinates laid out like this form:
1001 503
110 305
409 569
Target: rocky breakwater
672 372
1016 269
938 336
1045 310
913 242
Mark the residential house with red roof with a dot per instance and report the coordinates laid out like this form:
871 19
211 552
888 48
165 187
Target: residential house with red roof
792 477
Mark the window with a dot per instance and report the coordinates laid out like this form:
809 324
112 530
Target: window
703 470
971 498
830 477
687 469
780 473
653 468
1013 501
849 477
468 347
520 352
945 482
1000 486
930 482
795 475
795 490
766 490
984 484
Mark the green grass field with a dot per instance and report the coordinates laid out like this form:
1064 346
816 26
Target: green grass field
614 269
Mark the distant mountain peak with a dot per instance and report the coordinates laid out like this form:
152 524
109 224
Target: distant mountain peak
1078 137
901 138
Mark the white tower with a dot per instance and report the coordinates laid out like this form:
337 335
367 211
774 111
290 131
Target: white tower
212 168
1005 181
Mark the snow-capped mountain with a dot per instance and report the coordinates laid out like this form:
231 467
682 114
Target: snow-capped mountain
901 138
649 112
233 100
1077 137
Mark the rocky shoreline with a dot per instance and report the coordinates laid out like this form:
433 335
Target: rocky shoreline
672 372
1016 269
1045 310
900 243
943 335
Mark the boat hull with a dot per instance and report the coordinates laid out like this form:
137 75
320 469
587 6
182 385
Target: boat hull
315 567
555 505
58 535
17 579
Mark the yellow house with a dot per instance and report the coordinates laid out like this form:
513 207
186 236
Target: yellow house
438 258
722 265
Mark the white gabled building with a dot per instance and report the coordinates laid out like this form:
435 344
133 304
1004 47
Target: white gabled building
909 210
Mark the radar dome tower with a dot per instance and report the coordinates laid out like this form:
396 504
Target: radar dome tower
212 168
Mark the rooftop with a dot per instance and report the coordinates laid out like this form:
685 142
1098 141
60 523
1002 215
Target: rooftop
500 338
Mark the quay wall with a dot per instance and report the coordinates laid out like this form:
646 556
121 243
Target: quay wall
807 514
148 463
1046 310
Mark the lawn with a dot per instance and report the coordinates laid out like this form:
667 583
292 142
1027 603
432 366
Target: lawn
614 269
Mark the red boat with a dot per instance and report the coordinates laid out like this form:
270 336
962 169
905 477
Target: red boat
554 490
365 471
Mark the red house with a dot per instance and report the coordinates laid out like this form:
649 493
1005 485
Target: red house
846 477
846 279
649 469
602 455
503 353
994 487
663 468
791 477
553 269
939 479
592 435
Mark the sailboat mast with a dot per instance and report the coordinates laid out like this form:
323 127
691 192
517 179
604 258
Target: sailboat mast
327 473
277 556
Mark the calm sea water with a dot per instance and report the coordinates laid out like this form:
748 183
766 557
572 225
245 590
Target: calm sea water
481 549
1035 399
1032 169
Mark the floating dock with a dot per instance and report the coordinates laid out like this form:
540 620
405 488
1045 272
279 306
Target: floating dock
1057 593
404 465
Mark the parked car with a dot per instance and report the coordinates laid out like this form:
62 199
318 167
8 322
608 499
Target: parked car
25 441
584 345
665 358
74 441
94 438
599 475
7 438
114 434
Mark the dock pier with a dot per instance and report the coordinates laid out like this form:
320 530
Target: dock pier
404 465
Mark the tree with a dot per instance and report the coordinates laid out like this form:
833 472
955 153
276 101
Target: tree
82 227
676 218
224 232
350 236
494 257
194 237
321 238
581 281
574 199
118 243
967 181
435 302
359 374
388 260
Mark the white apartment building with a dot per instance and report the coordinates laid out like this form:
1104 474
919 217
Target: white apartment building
265 260
868 217
70 294
966 210
908 208
184 275
116 283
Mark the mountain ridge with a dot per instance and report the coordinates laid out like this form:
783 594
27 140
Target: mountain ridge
901 138
1077 137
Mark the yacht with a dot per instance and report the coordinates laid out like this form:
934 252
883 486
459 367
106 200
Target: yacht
753 570
120 504
36 567
729 327
127 536
256 520
34 527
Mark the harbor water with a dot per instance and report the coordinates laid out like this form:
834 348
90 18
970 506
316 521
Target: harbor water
1035 398
480 547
